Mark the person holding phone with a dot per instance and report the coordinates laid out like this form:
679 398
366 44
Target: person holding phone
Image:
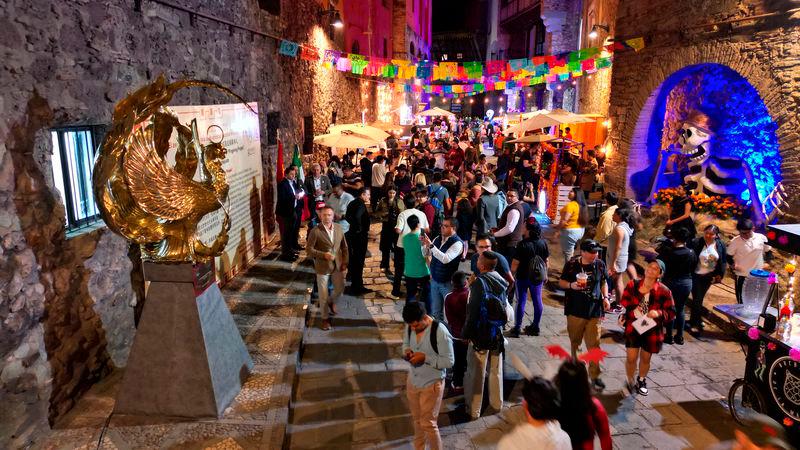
425 383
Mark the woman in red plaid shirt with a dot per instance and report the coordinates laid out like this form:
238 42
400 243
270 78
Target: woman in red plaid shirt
645 298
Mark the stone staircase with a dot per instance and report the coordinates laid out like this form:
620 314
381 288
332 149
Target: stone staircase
349 390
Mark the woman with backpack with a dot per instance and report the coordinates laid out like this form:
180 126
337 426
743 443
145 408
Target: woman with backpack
389 208
530 270
648 306
574 218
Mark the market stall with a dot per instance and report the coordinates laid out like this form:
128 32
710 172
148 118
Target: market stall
771 339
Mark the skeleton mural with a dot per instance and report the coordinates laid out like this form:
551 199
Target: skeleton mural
713 175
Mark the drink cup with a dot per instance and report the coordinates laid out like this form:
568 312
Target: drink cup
582 280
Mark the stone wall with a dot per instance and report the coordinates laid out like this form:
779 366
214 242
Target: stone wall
764 52
595 89
561 20
65 320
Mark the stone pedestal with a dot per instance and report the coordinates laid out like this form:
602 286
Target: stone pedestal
187 359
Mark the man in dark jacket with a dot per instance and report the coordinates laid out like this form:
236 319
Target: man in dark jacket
479 359
318 187
357 237
288 211
509 228
488 207
366 169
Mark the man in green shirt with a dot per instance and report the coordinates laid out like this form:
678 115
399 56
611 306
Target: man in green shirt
416 271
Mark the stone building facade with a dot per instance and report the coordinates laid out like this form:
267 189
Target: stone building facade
594 90
685 34
65 319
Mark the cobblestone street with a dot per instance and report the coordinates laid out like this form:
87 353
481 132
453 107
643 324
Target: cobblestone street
268 306
351 381
345 388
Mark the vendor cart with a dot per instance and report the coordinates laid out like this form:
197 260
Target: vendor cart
771 382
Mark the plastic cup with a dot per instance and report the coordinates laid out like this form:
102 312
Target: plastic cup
582 279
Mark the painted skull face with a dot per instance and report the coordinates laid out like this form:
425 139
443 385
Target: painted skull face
693 142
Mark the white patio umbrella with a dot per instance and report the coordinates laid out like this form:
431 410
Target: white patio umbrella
346 139
532 138
436 111
536 122
357 128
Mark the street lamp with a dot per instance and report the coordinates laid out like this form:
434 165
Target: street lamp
593 33
336 19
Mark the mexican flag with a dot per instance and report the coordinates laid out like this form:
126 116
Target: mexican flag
298 162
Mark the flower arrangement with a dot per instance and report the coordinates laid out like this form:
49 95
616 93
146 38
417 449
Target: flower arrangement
720 206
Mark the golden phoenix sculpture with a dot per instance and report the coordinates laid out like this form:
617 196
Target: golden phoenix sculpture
145 199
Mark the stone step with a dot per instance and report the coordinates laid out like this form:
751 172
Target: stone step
367 430
350 406
346 434
323 385
358 405
391 335
360 352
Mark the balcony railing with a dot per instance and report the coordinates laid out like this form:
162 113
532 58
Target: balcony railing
513 7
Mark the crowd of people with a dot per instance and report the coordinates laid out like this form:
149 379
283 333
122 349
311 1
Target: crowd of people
439 203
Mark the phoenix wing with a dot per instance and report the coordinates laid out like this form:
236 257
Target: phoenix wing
159 189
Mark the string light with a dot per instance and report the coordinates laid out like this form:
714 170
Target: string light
486 100
471 101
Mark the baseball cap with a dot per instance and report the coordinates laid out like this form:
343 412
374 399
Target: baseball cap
590 245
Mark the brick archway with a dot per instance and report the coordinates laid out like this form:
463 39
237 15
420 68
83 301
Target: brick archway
634 97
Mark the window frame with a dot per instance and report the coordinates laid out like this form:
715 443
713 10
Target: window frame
69 178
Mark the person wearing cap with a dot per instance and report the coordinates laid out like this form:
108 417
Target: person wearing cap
645 297
585 301
488 208
402 181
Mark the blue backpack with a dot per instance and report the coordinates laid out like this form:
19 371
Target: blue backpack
491 320
438 215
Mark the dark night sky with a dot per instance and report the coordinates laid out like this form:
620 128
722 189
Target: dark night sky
450 15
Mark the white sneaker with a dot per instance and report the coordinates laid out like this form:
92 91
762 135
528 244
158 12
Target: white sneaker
641 386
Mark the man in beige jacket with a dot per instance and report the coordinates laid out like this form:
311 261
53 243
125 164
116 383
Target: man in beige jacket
328 247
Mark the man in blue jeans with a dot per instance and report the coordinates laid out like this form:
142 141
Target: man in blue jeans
445 251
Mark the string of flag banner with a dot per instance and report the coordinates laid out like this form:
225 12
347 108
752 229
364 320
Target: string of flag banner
468 78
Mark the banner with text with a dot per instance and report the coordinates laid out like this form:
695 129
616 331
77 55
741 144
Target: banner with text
238 129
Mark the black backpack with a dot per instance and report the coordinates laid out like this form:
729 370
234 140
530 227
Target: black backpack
433 335
491 320
537 270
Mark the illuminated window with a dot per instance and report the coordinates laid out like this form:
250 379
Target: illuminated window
74 151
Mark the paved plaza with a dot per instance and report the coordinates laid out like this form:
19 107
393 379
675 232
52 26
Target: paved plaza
345 388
